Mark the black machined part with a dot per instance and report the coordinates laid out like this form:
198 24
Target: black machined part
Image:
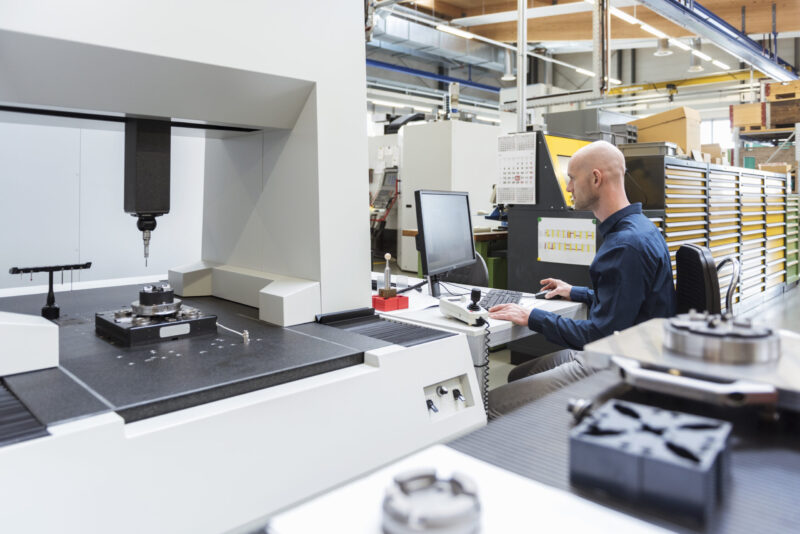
158 295
50 310
661 458
147 169
146 223
155 330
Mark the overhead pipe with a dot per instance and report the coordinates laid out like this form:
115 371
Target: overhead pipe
704 23
431 75
522 63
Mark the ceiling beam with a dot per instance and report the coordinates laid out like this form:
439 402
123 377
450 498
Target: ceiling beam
438 8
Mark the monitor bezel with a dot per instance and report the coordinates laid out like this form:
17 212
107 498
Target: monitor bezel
418 194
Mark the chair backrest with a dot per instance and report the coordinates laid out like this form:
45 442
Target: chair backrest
697 284
476 274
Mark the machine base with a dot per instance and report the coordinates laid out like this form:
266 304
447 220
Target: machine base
153 329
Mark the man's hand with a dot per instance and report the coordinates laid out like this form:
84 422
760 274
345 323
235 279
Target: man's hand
510 312
556 287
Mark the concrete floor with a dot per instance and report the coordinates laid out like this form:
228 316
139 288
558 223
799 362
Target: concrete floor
782 312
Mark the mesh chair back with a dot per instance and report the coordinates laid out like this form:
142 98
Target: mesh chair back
697 285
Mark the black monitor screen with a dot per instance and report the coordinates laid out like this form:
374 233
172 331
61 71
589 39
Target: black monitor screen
445 231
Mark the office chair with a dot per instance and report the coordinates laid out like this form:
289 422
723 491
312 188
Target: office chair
476 274
697 283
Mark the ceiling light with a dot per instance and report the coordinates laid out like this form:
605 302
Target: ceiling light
584 71
663 48
694 59
508 71
615 81
721 65
680 44
701 55
455 31
624 16
652 31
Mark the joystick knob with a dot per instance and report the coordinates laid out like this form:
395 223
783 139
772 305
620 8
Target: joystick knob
475 296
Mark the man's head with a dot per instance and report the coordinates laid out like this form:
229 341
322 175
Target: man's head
597 178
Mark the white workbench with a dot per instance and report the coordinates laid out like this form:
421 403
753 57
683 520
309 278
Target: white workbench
423 310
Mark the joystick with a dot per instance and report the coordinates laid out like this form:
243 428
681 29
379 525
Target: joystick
475 296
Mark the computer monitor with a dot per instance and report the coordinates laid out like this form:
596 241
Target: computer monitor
445 233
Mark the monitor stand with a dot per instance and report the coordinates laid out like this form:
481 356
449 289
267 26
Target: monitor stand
433 286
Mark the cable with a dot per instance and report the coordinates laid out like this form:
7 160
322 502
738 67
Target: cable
485 364
450 292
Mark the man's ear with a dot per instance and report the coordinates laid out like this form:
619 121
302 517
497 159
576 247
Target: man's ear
597 177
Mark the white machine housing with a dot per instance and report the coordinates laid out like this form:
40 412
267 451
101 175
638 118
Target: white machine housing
214 467
270 196
28 342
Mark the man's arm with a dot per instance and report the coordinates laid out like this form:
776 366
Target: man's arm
581 294
621 289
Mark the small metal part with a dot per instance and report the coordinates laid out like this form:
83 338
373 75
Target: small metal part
458 396
579 408
441 391
720 339
146 239
419 502
246 337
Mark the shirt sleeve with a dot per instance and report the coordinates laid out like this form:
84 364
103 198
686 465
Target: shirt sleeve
581 294
620 292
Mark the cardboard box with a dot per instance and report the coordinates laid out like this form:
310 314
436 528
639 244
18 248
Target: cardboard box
714 150
680 126
747 115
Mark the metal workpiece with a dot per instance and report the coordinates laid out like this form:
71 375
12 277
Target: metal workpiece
721 338
419 502
643 360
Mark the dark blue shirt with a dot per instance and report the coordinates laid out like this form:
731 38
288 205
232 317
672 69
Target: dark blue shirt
631 283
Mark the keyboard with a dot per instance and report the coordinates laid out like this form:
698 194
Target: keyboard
499 296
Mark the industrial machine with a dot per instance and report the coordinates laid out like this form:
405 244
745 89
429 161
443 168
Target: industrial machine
200 406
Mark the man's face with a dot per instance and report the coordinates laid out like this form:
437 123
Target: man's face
581 181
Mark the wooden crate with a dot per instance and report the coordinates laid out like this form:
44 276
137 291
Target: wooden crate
783 168
783 114
778 91
747 115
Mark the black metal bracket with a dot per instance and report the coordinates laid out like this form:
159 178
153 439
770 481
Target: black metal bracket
50 310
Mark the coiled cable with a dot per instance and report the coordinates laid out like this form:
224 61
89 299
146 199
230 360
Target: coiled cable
485 365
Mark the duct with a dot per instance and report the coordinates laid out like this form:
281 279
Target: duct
706 24
420 38
431 75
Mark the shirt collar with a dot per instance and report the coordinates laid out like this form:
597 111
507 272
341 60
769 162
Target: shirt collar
607 225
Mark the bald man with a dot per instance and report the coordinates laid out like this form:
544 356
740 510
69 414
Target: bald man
631 281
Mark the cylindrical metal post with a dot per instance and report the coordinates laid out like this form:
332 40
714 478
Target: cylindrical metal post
522 63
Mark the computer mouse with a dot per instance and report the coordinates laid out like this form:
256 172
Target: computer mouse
541 295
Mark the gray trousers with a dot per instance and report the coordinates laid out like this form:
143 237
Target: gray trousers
532 380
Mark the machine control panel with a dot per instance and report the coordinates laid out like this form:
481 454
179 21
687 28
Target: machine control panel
448 397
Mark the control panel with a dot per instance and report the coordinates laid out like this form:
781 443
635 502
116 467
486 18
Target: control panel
448 397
